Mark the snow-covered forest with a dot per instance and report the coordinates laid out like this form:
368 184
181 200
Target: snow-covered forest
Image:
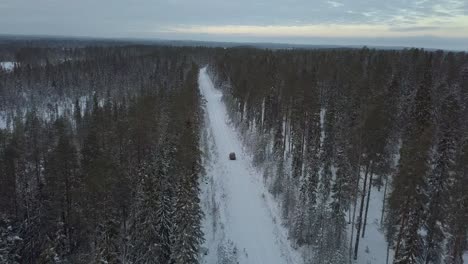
99 157
366 151
118 153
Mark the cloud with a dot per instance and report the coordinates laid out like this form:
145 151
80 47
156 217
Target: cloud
413 29
335 4
219 18
426 27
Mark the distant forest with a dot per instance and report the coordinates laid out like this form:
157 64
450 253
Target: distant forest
100 160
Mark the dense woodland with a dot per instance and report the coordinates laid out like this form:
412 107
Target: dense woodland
330 126
111 177
100 159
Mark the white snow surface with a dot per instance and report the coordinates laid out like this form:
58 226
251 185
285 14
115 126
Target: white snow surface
7 65
373 247
242 221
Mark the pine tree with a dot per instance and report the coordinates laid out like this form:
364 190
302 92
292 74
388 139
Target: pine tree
187 235
327 155
144 235
312 148
165 208
297 131
408 198
10 241
440 179
278 156
301 218
458 210
61 182
340 204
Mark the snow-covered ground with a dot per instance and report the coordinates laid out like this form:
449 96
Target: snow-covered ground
373 246
48 110
7 65
3 120
242 222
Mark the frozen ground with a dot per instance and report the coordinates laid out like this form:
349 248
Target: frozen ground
373 247
241 219
7 65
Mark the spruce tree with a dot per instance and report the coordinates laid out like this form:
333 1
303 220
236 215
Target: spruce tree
440 179
408 198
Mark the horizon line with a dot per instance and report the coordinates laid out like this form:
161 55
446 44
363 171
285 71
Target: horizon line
240 42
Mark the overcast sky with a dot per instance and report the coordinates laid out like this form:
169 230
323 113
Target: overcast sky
420 23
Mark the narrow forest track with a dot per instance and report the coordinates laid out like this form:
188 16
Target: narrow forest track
241 223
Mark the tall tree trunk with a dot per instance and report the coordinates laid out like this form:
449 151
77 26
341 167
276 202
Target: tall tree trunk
361 209
388 253
369 188
383 202
303 143
68 209
356 191
283 125
354 216
38 175
400 233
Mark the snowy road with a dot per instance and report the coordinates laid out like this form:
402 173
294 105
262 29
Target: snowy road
241 220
